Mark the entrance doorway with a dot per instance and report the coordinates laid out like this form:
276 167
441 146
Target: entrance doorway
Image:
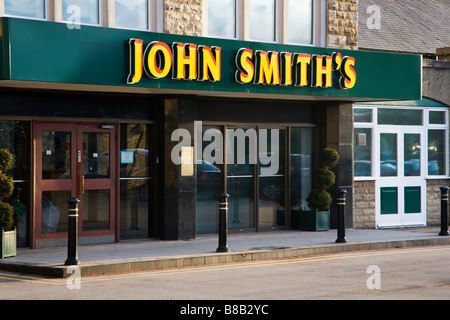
75 160
401 187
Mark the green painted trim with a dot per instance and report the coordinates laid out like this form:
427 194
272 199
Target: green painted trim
50 52
424 102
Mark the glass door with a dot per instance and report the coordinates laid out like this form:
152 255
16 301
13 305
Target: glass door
401 186
74 161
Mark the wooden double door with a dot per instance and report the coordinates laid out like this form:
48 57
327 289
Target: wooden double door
74 160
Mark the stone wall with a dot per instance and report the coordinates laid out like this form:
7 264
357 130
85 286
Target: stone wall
364 205
184 17
342 24
434 201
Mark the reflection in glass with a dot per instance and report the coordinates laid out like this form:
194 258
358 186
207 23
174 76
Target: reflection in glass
363 154
14 136
301 162
262 20
436 152
222 18
437 117
54 211
134 208
388 154
362 115
135 182
56 147
95 206
88 10
300 21
132 14
26 8
403 117
411 153
96 155
209 181
241 160
271 202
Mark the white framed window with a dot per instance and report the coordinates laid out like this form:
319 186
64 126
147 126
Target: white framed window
222 18
370 121
300 22
30 9
132 14
263 20
87 12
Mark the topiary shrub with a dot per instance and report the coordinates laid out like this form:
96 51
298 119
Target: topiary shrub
6 189
319 198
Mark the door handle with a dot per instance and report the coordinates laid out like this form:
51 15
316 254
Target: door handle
82 184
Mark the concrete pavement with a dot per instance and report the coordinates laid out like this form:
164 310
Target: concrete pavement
133 256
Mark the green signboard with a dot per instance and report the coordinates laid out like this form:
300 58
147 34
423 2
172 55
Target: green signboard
52 52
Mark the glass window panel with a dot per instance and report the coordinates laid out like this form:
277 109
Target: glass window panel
56 154
411 153
95 206
26 8
134 152
241 161
436 152
54 211
135 183
134 208
437 117
362 115
96 155
209 180
363 153
262 20
88 11
301 168
388 154
271 202
222 18
132 14
401 117
15 137
300 21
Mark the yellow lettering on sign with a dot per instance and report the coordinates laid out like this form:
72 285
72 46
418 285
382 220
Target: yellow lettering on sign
301 69
136 48
322 71
286 68
348 78
185 61
210 63
267 68
158 58
246 69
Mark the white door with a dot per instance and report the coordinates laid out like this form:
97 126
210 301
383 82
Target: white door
400 184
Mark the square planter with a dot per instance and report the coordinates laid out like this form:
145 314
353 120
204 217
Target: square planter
312 220
8 243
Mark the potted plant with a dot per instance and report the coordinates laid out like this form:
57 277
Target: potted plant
8 239
319 200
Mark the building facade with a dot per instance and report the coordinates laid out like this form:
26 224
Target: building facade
403 161
148 110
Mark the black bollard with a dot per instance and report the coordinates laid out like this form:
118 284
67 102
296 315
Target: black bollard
341 216
444 211
223 223
72 252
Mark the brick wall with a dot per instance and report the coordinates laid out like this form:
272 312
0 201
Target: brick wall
342 24
434 201
184 17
